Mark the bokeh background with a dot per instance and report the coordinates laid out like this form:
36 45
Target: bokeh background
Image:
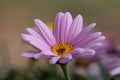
16 15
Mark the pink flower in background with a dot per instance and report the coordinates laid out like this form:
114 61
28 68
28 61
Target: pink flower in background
69 39
109 57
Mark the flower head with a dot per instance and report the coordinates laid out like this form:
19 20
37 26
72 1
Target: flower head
69 39
108 56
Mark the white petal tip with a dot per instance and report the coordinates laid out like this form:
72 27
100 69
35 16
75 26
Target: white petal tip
99 44
90 51
26 55
99 33
27 29
115 71
79 50
53 60
37 56
36 20
60 14
102 37
94 24
67 13
23 55
79 16
24 37
93 52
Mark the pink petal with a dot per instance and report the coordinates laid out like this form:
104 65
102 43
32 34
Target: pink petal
65 26
78 50
44 54
94 45
115 71
45 32
88 52
98 39
33 33
36 42
76 27
87 39
28 54
83 33
93 36
83 53
89 27
57 25
54 60
39 55
49 53
65 59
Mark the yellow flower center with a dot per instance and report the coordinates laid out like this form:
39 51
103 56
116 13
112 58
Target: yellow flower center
61 49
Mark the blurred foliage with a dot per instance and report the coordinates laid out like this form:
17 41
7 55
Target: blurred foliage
34 72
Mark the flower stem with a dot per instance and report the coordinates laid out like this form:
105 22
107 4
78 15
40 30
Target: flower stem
65 71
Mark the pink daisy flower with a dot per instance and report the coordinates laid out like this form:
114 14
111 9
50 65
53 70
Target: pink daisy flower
69 39
108 55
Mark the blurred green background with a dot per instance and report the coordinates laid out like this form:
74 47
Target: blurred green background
16 15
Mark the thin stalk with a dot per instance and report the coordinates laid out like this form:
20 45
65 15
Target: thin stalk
65 71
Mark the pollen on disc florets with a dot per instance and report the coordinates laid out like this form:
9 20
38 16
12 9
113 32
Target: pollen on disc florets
61 49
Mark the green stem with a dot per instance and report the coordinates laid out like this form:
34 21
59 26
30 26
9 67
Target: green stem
65 71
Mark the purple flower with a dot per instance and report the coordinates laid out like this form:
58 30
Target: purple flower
108 55
69 39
